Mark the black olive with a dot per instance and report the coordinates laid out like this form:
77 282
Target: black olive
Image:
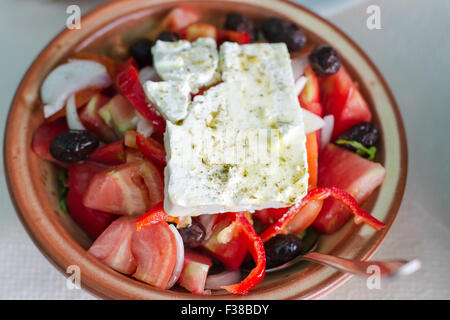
365 133
193 235
73 145
140 50
169 36
324 61
278 30
281 249
240 22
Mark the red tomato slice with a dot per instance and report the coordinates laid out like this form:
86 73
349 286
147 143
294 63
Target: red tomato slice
113 246
111 154
233 36
44 135
155 251
311 92
93 222
350 172
132 189
342 99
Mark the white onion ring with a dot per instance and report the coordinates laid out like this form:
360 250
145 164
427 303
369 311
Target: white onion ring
68 78
327 131
299 85
312 121
73 120
179 263
226 278
143 126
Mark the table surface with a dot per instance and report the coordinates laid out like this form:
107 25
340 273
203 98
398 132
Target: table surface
411 50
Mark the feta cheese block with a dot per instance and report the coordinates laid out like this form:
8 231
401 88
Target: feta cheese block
196 62
171 98
241 146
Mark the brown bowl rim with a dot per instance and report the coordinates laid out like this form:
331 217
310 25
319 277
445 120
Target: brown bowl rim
317 291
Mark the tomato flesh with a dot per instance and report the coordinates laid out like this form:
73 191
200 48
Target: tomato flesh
350 172
111 154
44 135
93 222
155 251
129 189
113 246
340 97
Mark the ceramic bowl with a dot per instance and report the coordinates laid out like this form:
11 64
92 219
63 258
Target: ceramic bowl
32 182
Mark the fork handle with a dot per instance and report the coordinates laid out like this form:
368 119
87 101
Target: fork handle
364 268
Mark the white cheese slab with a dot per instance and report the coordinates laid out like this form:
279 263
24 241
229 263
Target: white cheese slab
196 62
171 98
242 145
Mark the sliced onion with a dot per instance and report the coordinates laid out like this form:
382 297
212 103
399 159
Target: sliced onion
69 78
73 120
226 278
327 131
207 221
312 122
148 73
143 126
298 66
180 257
299 85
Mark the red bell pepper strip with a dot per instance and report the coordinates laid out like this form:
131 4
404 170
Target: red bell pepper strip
155 215
256 247
129 84
151 149
321 194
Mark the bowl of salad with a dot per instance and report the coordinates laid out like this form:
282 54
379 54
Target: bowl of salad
179 149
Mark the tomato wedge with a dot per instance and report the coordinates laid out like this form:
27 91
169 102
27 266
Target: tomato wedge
43 136
113 246
129 189
155 251
93 222
111 154
233 36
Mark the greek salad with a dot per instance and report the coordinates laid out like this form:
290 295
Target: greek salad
202 155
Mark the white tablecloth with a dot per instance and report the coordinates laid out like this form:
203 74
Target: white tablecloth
411 50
